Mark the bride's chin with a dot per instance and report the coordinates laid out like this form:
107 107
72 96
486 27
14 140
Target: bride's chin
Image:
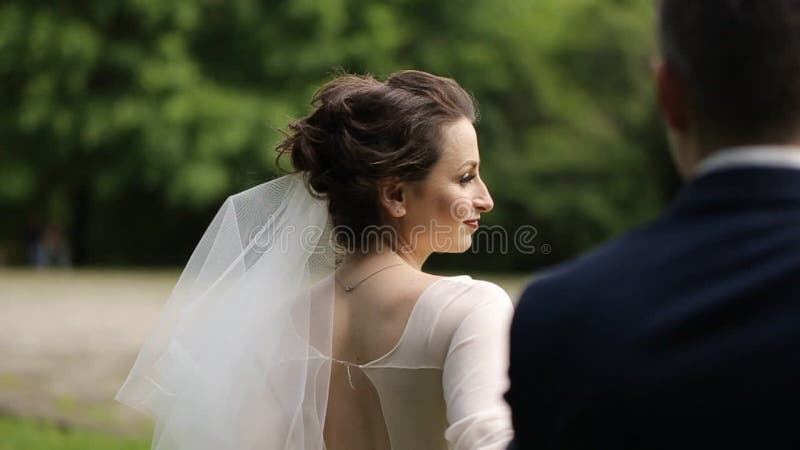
455 243
455 248
461 246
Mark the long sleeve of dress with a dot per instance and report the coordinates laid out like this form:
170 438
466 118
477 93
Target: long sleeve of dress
475 371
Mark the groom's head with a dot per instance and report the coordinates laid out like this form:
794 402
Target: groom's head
730 74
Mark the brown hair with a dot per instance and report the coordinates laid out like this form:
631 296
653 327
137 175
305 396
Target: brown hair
741 63
363 131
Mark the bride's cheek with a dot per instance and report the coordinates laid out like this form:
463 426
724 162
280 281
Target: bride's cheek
458 209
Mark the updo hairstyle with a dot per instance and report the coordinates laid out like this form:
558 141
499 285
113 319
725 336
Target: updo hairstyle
363 131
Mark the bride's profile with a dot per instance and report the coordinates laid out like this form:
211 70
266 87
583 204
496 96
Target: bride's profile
304 320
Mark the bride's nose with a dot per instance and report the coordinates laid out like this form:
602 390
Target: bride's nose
483 201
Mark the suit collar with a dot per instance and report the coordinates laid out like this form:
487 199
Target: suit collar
740 187
775 156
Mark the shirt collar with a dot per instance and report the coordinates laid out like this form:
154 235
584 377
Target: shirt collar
759 156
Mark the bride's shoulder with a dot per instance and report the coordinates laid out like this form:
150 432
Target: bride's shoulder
466 286
452 296
466 304
462 295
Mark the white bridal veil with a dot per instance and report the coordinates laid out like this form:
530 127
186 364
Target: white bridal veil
237 359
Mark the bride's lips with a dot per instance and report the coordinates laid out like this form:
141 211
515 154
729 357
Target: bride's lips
472 223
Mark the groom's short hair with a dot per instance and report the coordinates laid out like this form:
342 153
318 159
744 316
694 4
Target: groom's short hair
740 60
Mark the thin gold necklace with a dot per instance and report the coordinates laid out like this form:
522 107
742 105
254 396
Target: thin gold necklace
350 287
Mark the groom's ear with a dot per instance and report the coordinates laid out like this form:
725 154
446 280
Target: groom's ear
672 97
392 195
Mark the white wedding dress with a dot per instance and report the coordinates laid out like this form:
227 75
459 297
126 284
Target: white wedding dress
441 386
241 358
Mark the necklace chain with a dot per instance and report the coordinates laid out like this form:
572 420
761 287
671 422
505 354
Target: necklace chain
350 287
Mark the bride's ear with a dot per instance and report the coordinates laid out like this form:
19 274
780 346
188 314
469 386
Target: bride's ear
392 194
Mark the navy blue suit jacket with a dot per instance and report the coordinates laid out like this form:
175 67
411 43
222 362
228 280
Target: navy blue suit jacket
684 334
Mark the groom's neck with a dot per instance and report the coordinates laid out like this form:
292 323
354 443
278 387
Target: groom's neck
789 142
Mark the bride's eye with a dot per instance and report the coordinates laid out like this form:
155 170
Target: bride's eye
466 179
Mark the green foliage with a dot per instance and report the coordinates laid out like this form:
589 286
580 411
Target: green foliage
19 434
144 113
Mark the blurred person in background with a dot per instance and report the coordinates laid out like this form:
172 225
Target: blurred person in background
46 244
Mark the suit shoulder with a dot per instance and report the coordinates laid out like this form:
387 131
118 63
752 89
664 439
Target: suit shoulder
614 256
576 283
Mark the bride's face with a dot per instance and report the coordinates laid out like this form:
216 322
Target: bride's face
442 211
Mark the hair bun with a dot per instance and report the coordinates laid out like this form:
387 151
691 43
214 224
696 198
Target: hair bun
307 146
319 144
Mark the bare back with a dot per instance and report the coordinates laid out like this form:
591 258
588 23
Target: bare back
368 324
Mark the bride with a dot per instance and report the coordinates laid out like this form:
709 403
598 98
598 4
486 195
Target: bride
304 320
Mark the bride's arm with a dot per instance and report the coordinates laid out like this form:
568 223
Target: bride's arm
475 372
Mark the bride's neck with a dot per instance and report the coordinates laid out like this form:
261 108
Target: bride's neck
384 256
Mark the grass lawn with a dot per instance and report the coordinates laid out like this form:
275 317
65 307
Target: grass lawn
22 434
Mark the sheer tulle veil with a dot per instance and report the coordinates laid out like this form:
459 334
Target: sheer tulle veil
238 359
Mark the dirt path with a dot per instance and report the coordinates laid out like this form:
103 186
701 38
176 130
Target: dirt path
67 340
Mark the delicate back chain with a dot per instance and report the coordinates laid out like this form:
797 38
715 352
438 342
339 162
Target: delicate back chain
349 288
349 375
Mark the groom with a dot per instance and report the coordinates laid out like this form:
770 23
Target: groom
685 334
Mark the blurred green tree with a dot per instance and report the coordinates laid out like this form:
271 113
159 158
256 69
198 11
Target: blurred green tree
128 122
